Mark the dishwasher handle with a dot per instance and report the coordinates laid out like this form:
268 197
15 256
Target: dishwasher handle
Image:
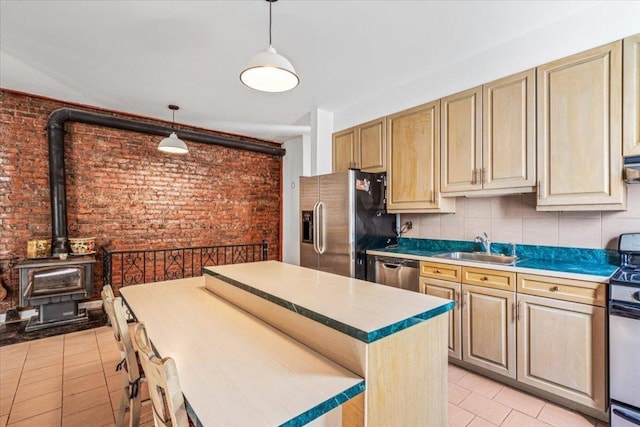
391 266
396 262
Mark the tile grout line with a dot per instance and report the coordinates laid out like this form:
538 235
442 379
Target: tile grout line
64 350
104 374
15 392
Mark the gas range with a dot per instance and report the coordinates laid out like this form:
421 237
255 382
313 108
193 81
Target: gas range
624 334
629 272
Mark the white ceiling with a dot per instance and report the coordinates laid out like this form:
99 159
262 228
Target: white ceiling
139 56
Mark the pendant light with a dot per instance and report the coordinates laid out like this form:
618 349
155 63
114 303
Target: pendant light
173 144
268 71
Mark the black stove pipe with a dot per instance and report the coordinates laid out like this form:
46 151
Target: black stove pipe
55 135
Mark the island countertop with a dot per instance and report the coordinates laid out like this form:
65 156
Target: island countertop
363 310
234 369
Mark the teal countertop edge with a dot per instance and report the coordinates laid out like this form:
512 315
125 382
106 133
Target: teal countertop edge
366 337
596 262
326 406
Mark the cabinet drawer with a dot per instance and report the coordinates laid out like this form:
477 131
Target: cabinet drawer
563 289
495 279
440 271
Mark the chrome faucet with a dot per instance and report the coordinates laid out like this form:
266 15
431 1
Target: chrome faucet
486 243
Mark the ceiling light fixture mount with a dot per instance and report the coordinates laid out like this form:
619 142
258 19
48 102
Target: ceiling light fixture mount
173 144
269 71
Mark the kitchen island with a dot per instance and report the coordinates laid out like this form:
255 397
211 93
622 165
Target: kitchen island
234 369
396 340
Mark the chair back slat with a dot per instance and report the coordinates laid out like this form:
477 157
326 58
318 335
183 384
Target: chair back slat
169 409
118 319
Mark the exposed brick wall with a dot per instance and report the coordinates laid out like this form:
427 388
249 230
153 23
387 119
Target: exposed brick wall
125 192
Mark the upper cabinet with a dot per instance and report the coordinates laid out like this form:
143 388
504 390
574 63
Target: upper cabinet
509 134
631 96
361 147
580 131
488 138
345 150
413 154
461 141
372 148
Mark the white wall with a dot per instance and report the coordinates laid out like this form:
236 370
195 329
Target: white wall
292 169
321 131
591 27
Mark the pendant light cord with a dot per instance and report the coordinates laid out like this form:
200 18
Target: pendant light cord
270 3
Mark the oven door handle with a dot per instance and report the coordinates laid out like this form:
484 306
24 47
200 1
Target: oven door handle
626 415
624 311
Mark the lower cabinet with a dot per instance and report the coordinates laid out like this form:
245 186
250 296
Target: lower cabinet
447 290
488 329
542 331
561 349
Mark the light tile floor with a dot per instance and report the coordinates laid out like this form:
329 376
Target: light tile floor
70 380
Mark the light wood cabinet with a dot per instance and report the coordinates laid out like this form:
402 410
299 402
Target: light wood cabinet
563 289
543 331
413 159
437 270
461 141
448 290
631 96
561 349
345 150
371 138
488 138
579 131
508 134
496 279
361 147
488 329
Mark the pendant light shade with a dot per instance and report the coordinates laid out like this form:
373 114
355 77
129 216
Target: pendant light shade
173 144
269 71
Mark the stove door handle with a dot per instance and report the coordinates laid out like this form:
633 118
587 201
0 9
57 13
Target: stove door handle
624 311
626 415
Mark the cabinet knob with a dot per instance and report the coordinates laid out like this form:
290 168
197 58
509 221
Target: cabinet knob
484 279
438 272
555 289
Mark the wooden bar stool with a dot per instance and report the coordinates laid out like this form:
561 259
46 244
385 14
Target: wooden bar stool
169 409
131 376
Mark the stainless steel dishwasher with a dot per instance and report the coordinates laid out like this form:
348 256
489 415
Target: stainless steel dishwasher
397 272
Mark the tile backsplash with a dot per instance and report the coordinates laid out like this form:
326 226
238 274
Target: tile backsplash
515 219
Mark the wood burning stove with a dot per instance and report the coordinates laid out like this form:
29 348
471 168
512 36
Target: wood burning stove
55 286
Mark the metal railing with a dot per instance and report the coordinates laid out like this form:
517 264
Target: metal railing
131 267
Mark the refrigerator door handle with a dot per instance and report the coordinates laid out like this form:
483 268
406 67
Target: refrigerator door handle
316 227
322 226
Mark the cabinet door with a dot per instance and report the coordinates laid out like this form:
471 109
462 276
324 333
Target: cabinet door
344 149
372 153
412 161
488 329
508 133
631 96
461 141
579 131
447 290
561 349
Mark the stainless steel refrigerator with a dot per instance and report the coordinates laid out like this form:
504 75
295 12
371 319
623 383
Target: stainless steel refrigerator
342 215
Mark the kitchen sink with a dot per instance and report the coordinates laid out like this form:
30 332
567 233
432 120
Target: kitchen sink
480 257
